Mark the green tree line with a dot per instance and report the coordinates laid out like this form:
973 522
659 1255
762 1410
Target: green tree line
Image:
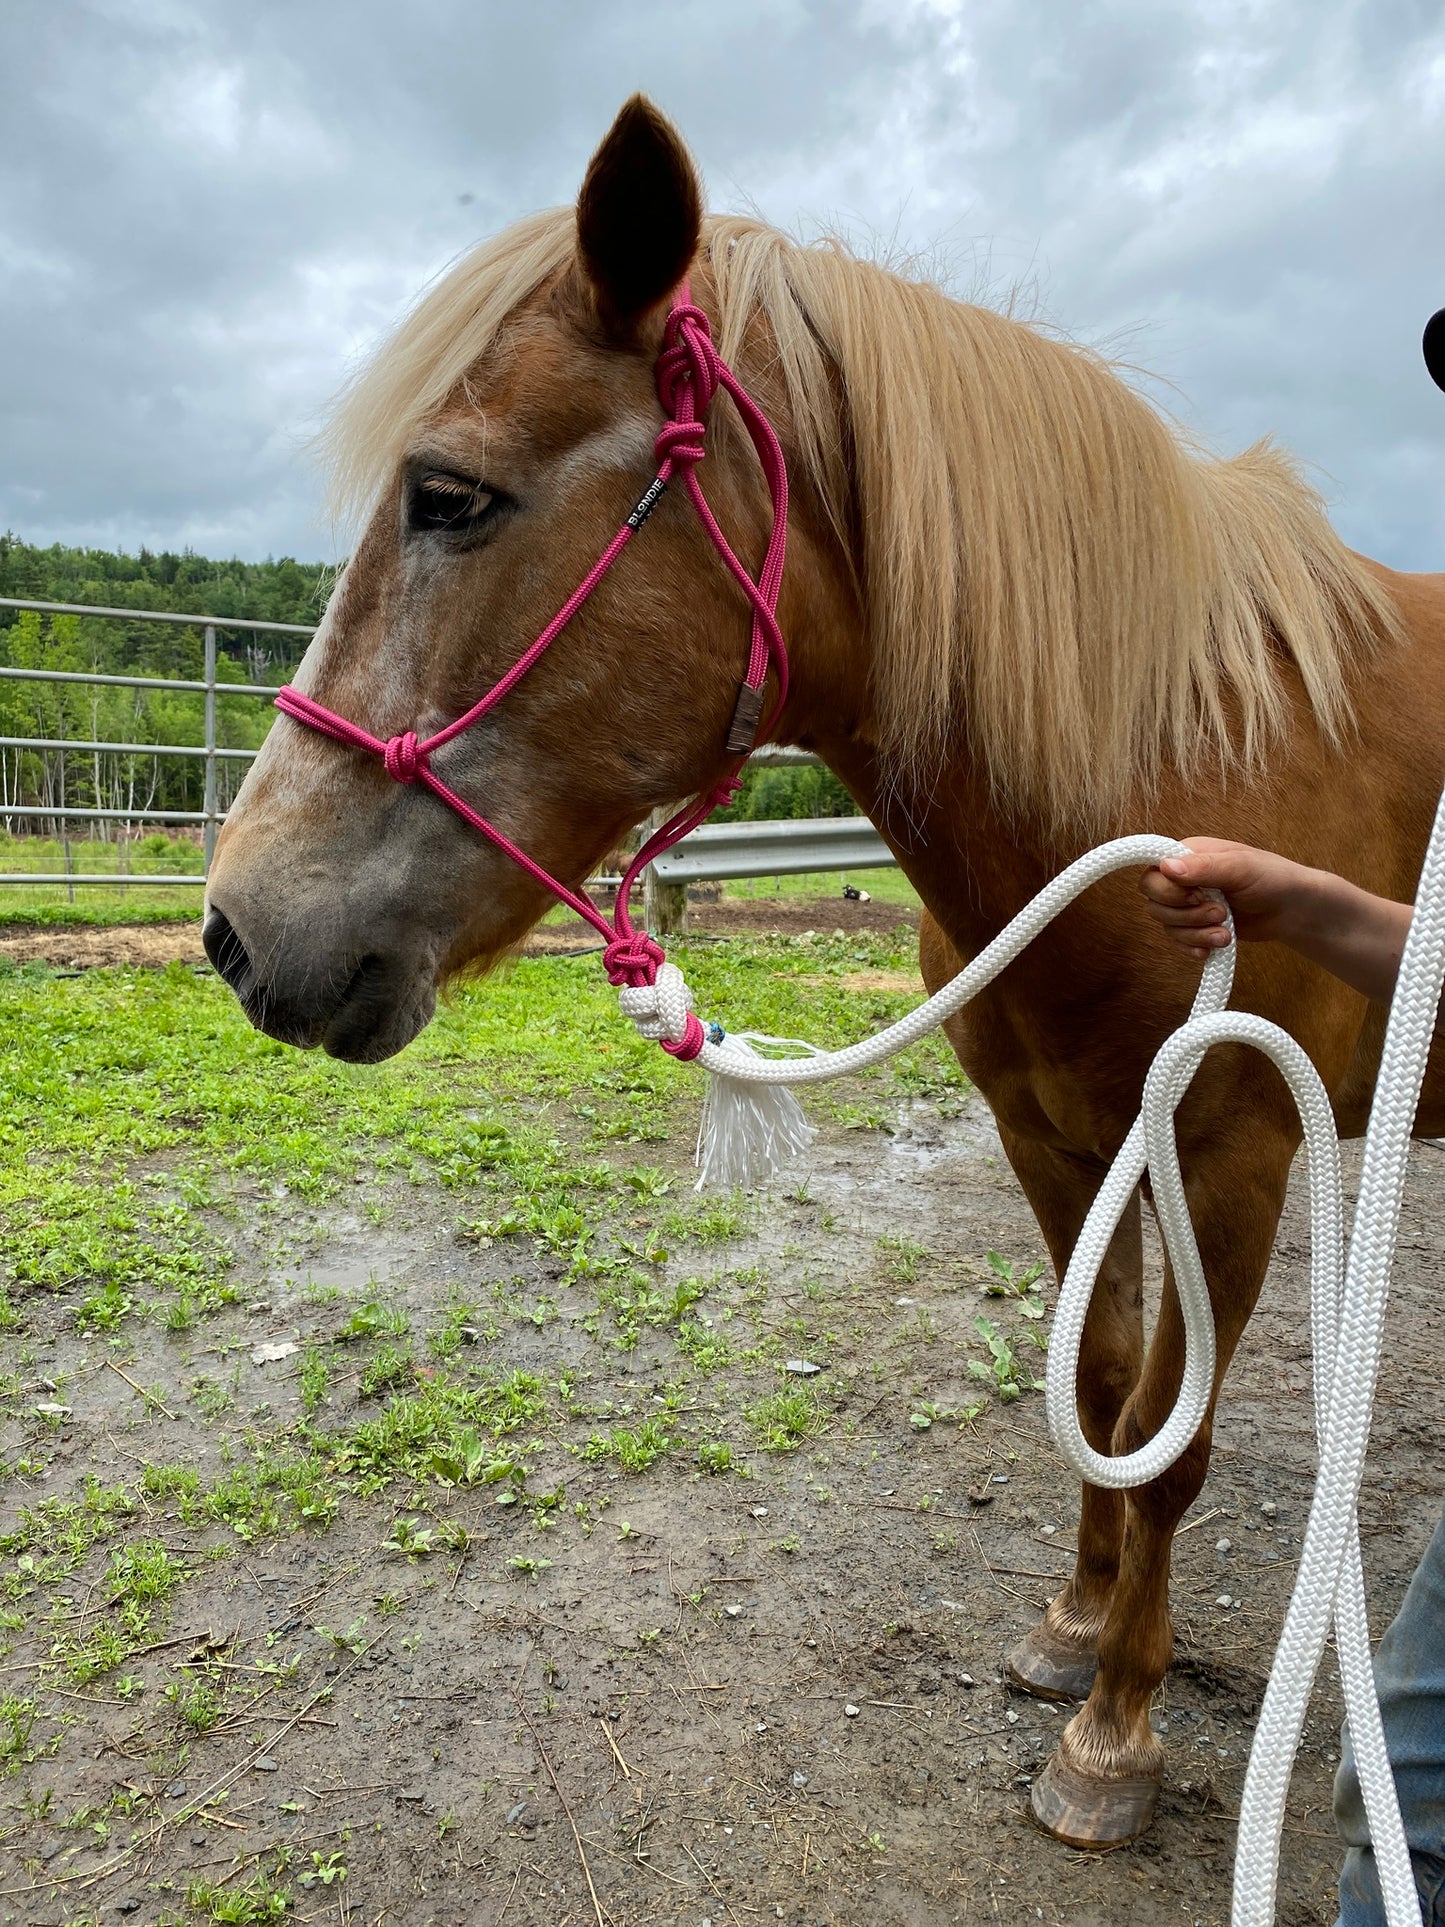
139 784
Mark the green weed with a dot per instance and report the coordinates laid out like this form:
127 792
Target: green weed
17 1723
904 1257
784 1419
372 1320
634 1449
315 1377
198 1706
1003 1370
1013 1281
251 1905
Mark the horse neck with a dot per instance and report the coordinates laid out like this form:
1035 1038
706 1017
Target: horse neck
973 866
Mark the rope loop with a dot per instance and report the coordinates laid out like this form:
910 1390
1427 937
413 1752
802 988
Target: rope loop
726 790
633 960
690 1044
404 759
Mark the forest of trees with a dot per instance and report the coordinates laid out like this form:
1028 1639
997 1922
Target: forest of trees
284 591
138 784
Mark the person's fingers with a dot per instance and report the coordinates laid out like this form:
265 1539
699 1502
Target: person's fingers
1163 889
1201 943
1230 868
1208 941
1190 916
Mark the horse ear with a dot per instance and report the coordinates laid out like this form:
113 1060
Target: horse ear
639 215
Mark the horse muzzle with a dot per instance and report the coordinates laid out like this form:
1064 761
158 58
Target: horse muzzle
359 1008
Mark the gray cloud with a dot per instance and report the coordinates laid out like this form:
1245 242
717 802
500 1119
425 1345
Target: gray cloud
207 211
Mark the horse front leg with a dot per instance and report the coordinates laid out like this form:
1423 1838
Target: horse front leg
1100 1787
1057 1660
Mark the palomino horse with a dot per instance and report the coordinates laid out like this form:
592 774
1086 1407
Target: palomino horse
1021 615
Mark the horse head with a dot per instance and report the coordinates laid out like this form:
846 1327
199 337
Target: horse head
340 899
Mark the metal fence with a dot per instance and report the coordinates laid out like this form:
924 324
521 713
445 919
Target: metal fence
713 853
209 816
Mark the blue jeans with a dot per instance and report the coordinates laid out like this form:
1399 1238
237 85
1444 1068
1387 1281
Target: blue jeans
1410 1676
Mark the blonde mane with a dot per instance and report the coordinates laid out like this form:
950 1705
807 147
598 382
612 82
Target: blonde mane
1046 563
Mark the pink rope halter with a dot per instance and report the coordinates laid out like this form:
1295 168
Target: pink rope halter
689 373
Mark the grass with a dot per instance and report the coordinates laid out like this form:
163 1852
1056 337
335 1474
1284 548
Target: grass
783 1419
884 886
123 1086
159 854
17 1723
98 906
164 1171
247 1905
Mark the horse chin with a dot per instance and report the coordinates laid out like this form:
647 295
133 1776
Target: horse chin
360 1032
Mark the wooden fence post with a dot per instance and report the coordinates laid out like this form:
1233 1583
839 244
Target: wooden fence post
664 905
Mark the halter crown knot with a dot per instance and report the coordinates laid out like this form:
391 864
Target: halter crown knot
404 760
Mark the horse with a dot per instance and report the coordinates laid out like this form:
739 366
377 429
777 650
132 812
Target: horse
1023 612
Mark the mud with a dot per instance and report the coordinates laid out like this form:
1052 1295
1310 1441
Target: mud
735 1699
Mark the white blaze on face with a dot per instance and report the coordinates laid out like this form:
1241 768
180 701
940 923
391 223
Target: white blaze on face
625 447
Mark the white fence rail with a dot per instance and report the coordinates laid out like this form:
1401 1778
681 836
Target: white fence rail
714 853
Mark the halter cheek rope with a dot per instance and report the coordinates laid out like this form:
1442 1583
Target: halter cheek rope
752 1123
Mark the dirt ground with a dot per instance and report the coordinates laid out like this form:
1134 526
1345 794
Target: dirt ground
736 1700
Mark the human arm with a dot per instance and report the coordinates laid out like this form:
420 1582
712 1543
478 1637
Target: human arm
1355 936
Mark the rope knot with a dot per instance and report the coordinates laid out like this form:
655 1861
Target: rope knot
662 1012
690 1044
683 441
403 758
688 369
633 960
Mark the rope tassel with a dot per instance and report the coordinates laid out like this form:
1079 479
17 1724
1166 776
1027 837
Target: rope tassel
748 1132
750 1128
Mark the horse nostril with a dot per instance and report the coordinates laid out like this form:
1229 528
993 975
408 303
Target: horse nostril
227 952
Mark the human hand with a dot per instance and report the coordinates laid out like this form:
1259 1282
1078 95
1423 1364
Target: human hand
1261 888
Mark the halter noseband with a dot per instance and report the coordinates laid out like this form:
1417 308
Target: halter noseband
689 373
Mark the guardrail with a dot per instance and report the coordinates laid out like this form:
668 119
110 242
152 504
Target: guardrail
714 853
719 851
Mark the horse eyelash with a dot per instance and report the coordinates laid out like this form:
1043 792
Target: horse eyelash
453 485
450 502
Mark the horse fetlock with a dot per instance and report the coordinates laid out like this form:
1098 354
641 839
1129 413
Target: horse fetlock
1101 1746
1078 1615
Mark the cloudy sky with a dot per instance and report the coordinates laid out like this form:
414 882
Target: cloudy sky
209 209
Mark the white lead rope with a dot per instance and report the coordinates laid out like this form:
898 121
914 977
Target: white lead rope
752 1124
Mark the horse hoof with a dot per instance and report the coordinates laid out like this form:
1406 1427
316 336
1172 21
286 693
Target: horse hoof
1052 1667
1084 1810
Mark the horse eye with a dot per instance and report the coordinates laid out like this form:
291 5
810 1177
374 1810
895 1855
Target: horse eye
448 503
